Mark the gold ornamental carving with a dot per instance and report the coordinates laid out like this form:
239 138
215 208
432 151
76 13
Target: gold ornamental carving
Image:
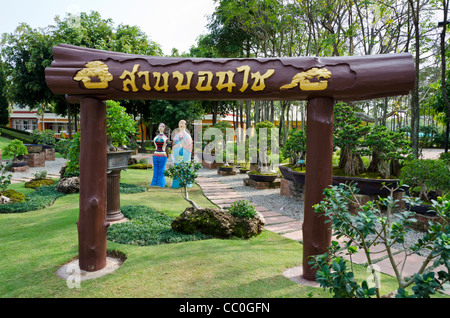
94 70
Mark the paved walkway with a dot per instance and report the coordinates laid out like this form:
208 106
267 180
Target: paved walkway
223 195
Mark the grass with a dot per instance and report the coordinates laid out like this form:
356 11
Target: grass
35 244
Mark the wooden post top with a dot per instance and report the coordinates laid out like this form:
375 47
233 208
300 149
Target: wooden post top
78 71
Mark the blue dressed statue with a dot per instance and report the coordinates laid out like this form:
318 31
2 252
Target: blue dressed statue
159 158
182 148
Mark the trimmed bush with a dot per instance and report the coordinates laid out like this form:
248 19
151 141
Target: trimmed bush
147 227
243 209
141 166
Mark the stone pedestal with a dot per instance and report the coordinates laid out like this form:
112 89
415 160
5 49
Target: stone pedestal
35 159
262 185
113 212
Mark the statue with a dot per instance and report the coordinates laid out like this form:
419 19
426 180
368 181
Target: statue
182 148
159 158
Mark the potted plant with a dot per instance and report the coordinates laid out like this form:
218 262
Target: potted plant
263 135
119 128
16 149
295 150
45 139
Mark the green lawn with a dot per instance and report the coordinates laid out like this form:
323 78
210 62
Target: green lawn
35 244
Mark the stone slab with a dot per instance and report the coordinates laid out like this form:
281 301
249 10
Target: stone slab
268 213
278 219
285 227
295 235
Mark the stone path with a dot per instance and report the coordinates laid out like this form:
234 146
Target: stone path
224 195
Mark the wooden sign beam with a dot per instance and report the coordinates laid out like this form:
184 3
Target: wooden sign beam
82 71
89 77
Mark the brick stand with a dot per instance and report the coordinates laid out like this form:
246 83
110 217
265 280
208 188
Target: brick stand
290 189
35 159
262 185
49 154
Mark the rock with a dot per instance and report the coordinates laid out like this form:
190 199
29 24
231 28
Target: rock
209 221
68 185
247 228
217 223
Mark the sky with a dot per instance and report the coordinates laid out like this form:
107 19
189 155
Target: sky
170 23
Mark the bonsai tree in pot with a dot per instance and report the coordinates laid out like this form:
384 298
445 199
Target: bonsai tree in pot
46 137
428 174
264 142
348 131
295 148
120 126
16 149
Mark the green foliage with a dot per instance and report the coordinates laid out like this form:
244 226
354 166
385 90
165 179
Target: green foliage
46 137
119 125
127 188
73 156
243 209
445 156
185 172
141 166
389 145
39 199
295 146
15 148
147 227
40 175
429 174
368 227
5 180
62 146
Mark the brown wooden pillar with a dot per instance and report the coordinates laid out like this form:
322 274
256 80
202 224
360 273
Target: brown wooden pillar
92 223
319 175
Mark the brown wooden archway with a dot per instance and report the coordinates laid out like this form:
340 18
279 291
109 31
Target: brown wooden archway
90 77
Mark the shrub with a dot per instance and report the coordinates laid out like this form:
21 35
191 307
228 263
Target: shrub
5 180
445 156
147 227
243 209
15 148
141 166
46 137
186 173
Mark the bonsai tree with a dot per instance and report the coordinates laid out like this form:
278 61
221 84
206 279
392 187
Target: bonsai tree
295 147
15 149
46 137
348 131
427 174
120 126
185 173
264 143
387 147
